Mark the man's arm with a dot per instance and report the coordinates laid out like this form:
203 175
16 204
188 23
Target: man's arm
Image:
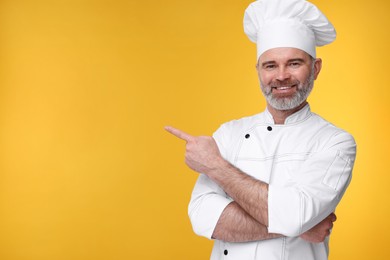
235 225
251 194
202 155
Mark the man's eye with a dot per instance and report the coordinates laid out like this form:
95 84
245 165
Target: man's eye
295 64
269 67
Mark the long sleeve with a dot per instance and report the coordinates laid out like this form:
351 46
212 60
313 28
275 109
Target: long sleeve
316 191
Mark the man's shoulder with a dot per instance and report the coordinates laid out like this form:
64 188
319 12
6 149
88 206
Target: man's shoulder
243 123
331 132
228 133
327 125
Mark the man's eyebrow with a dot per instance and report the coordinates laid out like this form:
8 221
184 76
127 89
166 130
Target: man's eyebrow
296 60
269 62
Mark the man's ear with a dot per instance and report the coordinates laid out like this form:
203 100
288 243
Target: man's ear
317 67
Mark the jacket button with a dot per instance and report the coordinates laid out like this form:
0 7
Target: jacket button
225 252
247 136
269 128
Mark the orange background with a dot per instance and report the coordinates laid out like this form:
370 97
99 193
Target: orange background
86 169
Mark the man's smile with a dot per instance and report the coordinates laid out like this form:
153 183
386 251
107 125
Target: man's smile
284 89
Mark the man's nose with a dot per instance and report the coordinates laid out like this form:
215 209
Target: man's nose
283 74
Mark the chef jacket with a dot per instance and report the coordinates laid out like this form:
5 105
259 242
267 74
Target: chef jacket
307 163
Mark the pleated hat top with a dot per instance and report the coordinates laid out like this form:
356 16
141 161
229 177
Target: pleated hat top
287 23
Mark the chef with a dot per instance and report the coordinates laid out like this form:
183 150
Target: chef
269 183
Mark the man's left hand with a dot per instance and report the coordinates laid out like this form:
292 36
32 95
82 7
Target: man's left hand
318 233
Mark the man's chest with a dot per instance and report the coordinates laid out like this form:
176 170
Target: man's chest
273 154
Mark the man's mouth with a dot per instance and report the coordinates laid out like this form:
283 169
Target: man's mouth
283 87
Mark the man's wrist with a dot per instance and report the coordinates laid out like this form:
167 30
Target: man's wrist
220 168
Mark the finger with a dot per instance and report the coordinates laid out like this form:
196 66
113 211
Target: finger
178 133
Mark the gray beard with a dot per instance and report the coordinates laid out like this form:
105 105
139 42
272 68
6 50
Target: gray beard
287 103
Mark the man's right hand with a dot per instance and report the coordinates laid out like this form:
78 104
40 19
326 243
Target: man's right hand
318 233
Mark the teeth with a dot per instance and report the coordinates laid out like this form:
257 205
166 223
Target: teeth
282 88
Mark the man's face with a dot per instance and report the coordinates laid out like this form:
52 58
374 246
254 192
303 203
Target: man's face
287 76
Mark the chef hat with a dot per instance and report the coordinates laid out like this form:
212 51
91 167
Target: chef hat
287 23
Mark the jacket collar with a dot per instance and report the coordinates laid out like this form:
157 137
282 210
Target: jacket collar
297 117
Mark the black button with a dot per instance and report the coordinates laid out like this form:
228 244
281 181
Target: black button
225 252
247 136
269 128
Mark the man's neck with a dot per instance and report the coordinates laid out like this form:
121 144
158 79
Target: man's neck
280 116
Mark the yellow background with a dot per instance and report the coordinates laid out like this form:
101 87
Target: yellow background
86 86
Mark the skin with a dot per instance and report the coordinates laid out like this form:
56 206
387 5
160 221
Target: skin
280 65
246 218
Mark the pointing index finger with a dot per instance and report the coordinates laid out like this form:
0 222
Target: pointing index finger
178 133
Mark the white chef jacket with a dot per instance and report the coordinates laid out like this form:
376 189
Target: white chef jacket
307 163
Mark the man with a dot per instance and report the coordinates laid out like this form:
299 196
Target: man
269 183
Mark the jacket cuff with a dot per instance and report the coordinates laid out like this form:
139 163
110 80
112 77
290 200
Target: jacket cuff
284 211
205 214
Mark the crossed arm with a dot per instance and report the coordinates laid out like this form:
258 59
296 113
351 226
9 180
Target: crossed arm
235 225
246 218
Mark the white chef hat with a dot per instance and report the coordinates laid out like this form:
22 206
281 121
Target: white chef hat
287 23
